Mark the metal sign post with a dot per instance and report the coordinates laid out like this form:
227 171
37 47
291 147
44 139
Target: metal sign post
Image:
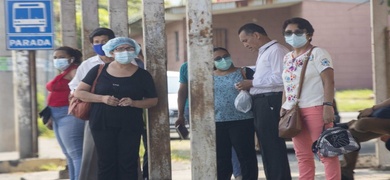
29 26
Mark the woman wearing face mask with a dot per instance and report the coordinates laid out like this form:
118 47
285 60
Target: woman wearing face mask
68 129
122 91
233 128
317 95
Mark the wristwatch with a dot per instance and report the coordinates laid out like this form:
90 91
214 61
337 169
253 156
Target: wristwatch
327 104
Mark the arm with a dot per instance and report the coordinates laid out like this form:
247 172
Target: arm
181 102
144 103
368 111
83 92
327 77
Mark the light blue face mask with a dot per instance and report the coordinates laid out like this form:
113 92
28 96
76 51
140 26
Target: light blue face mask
223 64
296 41
61 63
125 57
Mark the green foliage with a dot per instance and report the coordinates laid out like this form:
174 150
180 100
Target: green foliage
180 150
134 7
42 129
354 100
51 167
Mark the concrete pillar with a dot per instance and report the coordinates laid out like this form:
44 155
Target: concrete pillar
156 63
7 120
200 69
25 102
90 22
379 15
68 23
118 17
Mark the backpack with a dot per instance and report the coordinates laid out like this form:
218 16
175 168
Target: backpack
335 141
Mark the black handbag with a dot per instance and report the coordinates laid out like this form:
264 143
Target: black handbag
45 114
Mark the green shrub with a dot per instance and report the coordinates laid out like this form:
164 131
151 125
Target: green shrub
42 129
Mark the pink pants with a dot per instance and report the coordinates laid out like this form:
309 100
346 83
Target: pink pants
311 130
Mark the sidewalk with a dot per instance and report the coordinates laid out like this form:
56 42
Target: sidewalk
49 148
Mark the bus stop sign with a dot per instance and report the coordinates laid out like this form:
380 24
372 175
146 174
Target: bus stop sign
29 24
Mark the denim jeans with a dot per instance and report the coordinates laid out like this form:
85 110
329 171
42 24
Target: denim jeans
236 164
69 132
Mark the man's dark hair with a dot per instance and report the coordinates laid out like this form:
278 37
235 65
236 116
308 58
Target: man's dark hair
100 32
250 28
302 24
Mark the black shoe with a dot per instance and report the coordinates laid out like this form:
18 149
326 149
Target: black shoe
343 177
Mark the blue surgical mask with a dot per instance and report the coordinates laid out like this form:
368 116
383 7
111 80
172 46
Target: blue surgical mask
224 63
61 63
98 49
296 41
125 57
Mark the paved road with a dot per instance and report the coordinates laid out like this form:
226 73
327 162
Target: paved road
182 170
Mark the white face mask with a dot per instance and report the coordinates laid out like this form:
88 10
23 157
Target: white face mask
61 63
296 41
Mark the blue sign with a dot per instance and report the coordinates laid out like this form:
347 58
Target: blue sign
29 24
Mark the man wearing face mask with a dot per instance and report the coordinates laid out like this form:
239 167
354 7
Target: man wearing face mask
98 38
266 89
122 91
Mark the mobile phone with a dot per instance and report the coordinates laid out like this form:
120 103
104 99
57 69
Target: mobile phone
182 131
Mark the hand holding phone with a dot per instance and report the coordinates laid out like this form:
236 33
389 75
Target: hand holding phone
182 131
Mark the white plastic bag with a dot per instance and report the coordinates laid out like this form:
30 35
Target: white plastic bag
243 101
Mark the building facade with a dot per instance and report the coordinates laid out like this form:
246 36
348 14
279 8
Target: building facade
341 27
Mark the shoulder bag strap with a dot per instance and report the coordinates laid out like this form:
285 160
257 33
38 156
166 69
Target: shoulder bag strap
95 81
303 71
243 72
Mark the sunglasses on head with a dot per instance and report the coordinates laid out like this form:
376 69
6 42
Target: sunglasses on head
218 58
298 32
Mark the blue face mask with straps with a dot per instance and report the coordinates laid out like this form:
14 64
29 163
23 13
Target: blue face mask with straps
98 49
125 57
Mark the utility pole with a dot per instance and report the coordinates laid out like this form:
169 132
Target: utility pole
25 103
200 71
156 63
119 17
68 23
90 22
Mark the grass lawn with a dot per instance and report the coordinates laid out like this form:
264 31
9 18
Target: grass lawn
354 100
180 150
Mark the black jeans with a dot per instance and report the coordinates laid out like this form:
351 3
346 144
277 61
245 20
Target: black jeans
266 110
118 152
240 135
